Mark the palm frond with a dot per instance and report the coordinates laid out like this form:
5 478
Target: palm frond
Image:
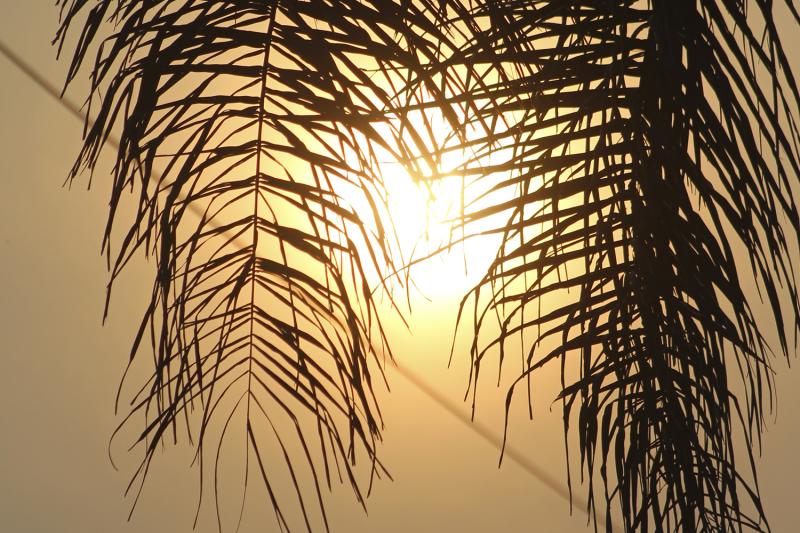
251 139
649 147
653 158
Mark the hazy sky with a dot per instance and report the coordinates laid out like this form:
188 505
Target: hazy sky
61 367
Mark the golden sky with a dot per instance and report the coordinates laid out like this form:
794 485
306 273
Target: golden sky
61 369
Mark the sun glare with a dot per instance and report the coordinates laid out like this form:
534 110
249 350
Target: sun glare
424 199
436 260
425 216
422 212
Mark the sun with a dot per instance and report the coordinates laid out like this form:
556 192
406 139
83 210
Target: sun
423 212
419 198
439 257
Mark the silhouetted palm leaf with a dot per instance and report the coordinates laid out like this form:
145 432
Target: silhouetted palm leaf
262 116
653 158
648 146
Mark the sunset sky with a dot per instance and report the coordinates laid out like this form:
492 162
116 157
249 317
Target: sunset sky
61 368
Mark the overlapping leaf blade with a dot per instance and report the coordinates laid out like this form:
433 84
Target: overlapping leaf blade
653 157
251 134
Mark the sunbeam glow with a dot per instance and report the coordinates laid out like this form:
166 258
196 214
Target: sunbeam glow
435 255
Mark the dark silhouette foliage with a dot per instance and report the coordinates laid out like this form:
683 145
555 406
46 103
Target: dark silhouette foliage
655 163
253 117
651 148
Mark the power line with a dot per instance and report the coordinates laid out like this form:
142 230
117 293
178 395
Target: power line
41 81
454 409
487 434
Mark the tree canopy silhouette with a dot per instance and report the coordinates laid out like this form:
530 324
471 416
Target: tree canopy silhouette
652 151
656 158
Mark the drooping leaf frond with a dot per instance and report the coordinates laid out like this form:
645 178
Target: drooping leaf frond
651 148
251 135
651 152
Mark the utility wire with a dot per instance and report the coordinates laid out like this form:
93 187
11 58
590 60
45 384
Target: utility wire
44 84
454 409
